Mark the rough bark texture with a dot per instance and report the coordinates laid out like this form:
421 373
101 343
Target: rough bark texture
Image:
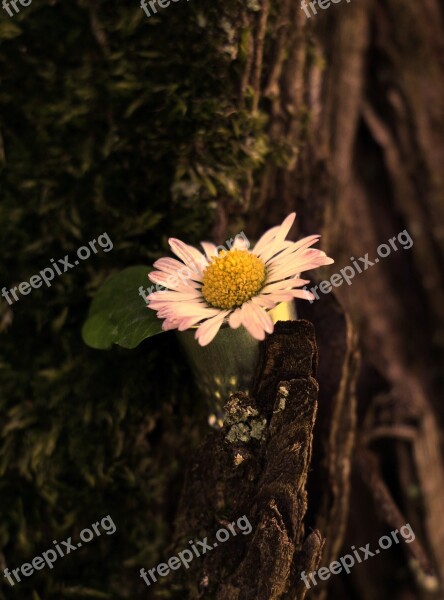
261 465
356 93
257 466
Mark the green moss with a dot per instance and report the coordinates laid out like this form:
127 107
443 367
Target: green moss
110 122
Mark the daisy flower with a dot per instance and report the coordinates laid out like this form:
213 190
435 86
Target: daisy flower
236 286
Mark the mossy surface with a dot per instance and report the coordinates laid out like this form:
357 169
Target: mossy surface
110 122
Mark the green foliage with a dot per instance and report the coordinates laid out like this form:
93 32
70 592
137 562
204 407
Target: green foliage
109 122
118 313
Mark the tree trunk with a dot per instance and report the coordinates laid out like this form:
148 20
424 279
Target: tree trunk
354 98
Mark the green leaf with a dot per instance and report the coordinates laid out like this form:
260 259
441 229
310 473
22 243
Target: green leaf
118 314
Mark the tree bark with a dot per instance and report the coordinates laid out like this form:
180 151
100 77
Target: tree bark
265 475
355 96
261 465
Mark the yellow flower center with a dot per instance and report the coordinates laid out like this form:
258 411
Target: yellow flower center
232 278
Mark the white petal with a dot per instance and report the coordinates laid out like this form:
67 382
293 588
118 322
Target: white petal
172 281
193 259
275 245
169 324
265 239
264 318
264 301
209 329
239 244
168 265
296 265
184 310
200 314
172 296
292 248
278 297
250 322
174 267
284 284
303 294
209 249
284 229
188 322
235 319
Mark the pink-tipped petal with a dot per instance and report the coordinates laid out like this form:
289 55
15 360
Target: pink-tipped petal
264 301
284 284
293 249
172 266
168 265
287 224
276 245
263 318
278 297
188 322
235 319
303 294
239 243
251 324
184 310
189 255
310 259
209 249
169 324
265 239
173 282
175 296
208 330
